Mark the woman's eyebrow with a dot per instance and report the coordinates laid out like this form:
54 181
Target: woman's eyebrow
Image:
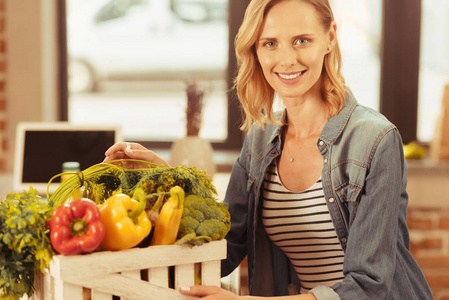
303 35
299 36
264 38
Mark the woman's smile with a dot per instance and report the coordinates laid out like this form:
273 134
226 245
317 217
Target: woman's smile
289 78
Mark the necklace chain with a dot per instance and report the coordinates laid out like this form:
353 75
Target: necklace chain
292 157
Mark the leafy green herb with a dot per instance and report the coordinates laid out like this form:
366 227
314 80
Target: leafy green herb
24 244
161 179
101 181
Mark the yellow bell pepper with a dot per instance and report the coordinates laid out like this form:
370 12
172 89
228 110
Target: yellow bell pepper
125 220
167 224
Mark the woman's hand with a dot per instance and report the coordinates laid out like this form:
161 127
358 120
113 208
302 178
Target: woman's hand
216 293
125 150
209 292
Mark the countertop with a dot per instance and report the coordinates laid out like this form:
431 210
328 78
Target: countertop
428 181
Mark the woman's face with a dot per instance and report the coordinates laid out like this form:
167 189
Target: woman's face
291 49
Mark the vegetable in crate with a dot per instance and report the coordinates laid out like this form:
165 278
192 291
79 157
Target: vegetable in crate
76 227
126 221
101 181
203 220
167 224
24 244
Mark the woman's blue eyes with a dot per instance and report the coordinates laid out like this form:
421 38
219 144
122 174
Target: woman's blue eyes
271 44
302 41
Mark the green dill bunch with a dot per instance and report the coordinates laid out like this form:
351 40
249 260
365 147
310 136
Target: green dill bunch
98 182
102 180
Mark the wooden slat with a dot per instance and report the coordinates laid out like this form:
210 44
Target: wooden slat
210 273
106 262
134 274
96 295
184 275
49 292
67 290
121 286
158 276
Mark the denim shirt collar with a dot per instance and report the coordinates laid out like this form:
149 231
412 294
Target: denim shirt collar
334 127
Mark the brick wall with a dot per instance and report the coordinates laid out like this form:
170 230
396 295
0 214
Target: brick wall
429 244
2 87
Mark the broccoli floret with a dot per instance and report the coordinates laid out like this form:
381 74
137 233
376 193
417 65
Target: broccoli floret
218 211
198 203
213 228
188 225
197 215
203 220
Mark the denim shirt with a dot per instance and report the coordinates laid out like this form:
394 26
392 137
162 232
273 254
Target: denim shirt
364 180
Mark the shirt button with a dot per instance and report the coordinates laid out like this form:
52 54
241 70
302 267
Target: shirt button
343 240
325 160
321 143
273 153
331 200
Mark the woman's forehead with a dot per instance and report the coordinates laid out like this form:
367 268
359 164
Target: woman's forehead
292 16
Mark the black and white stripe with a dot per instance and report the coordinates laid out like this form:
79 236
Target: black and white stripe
300 224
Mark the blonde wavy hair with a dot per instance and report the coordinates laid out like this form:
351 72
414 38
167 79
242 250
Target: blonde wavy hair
255 94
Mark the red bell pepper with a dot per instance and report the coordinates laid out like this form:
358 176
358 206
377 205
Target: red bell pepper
76 227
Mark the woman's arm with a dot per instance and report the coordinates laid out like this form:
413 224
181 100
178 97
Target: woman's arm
237 200
370 257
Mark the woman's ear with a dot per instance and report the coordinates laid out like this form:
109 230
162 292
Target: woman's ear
256 58
332 35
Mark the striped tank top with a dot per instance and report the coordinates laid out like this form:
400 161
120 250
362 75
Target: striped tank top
299 223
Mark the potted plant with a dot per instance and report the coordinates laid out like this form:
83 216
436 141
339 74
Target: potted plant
192 150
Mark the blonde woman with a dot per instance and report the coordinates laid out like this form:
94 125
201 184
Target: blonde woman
318 195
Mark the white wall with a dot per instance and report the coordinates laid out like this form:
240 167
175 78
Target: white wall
31 76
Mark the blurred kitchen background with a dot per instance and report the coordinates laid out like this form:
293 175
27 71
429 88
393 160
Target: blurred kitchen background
128 62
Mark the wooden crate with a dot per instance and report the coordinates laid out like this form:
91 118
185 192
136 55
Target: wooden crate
138 273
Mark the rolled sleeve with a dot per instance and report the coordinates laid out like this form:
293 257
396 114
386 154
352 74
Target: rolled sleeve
322 292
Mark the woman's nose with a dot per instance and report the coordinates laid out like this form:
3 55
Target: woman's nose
287 56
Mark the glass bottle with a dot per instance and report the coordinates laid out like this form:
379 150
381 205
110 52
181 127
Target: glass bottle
69 168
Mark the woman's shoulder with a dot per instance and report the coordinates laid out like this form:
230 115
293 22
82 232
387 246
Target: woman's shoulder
365 118
369 127
361 116
357 122
363 131
368 116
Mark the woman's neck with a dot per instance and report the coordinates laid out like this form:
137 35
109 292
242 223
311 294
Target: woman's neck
305 118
